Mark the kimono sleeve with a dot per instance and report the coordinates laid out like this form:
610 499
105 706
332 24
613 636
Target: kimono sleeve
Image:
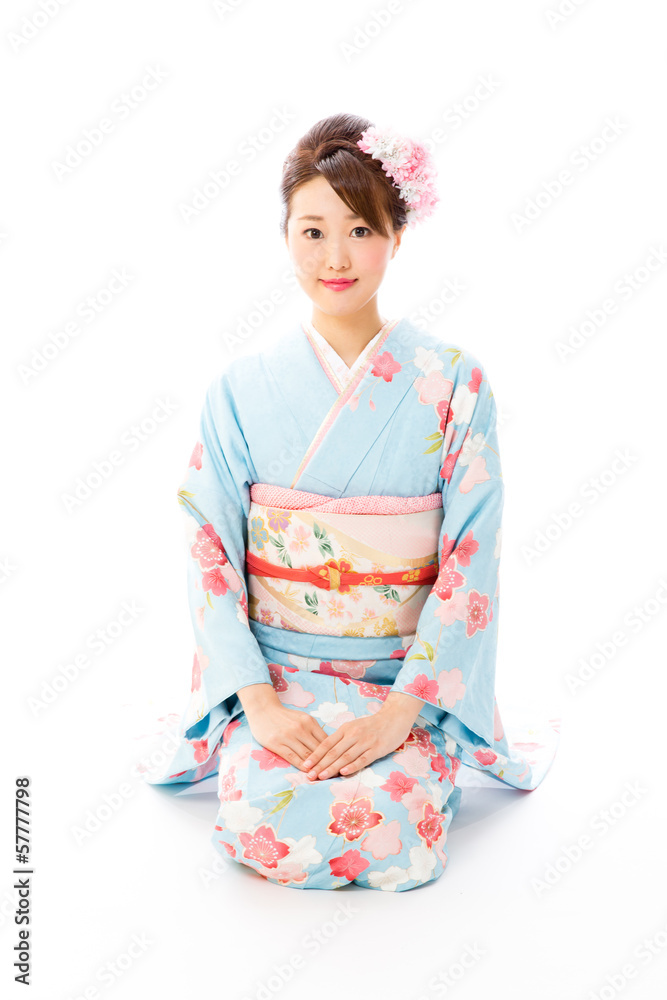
451 662
215 499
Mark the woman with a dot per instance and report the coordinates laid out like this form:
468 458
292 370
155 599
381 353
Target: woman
343 506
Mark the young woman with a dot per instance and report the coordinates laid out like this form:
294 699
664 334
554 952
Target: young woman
343 503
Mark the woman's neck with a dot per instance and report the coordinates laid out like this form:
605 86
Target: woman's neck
348 335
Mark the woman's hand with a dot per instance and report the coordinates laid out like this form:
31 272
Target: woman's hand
357 743
290 733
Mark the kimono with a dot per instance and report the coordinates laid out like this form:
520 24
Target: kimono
382 483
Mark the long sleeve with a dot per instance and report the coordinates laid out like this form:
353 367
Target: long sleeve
215 499
451 662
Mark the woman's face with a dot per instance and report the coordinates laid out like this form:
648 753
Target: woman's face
326 241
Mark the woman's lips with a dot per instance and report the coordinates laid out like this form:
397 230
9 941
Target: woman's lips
338 285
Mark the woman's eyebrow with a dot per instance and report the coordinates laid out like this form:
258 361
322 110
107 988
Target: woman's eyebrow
320 218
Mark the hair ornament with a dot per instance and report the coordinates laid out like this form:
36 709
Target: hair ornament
409 165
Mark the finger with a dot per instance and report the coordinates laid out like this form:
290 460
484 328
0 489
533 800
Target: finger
338 756
319 751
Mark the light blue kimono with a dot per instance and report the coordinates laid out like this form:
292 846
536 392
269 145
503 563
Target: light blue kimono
417 418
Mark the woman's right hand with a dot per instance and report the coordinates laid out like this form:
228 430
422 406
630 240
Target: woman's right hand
288 732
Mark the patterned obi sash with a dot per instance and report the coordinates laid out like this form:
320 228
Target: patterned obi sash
355 566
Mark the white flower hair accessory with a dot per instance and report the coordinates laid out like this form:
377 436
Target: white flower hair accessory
410 166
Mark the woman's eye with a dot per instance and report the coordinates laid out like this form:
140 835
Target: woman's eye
365 229
312 231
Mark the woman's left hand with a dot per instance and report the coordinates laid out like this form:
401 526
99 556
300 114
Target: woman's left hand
357 743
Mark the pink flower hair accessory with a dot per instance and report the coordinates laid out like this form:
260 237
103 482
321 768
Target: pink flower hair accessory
410 166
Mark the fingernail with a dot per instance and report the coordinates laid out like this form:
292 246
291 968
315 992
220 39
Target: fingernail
323 774
307 763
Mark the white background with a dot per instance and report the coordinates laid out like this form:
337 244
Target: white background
221 71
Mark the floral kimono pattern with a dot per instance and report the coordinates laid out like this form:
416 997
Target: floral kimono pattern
396 469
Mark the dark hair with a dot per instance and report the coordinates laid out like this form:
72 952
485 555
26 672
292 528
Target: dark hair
330 149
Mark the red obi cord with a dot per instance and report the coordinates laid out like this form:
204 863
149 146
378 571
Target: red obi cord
333 575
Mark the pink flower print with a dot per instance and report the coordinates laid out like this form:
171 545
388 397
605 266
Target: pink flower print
352 668
446 548
367 690
352 819
227 790
430 827
288 873
231 850
385 366
266 616
336 608
215 581
477 608
423 688
196 674
348 865
435 388
444 413
299 537
195 458
262 846
455 609
485 756
452 688
448 466
383 840
200 749
476 473
476 380
414 802
422 738
229 729
413 762
278 519
397 784
439 765
207 548
326 667
268 759
465 549
276 675
455 765
448 579
398 654
297 695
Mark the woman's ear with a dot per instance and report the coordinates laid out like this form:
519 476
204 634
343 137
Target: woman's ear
397 238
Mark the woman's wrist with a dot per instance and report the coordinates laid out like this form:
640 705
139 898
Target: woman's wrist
254 695
403 706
